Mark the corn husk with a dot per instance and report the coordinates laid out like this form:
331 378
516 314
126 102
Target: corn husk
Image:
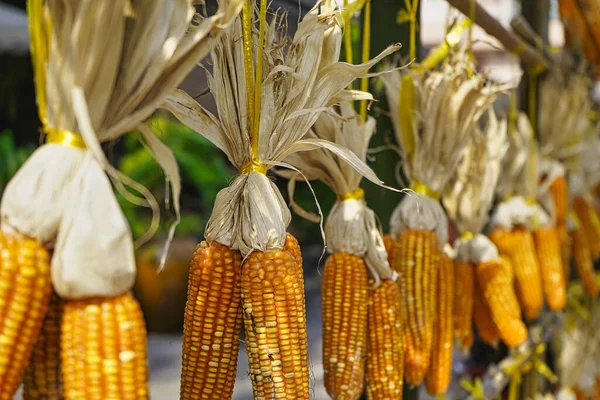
515 184
109 65
470 193
351 227
564 123
301 79
446 105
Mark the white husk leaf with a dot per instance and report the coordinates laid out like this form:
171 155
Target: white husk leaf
108 69
564 124
447 104
470 193
514 164
351 227
298 85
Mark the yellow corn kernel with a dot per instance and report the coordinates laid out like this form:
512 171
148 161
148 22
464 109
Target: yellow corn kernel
439 375
464 287
43 376
519 245
345 301
390 243
583 262
275 322
25 291
500 297
213 322
547 245
104 349
415 259
589 221
385 355
482 316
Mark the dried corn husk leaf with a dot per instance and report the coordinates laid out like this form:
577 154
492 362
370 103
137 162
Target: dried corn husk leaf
352 226
564 124
470 193
301 80
447 103
109 67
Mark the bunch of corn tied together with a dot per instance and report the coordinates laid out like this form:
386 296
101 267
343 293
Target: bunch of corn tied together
269 92
101 68
434 115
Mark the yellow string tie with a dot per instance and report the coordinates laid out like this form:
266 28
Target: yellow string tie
424 190
409 14
467 235
253 166
355 194
475 388
40 28
440 52
65 138
519 49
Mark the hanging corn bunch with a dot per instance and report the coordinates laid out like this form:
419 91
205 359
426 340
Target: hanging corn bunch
468 200
100 68
355 241
431 149
269 92
510 227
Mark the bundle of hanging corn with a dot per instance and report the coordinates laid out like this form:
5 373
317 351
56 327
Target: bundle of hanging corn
468 200
100 68
269 92
362 325
433 116
564 125
510 228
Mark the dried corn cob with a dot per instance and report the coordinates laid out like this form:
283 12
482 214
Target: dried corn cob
385 360
589 221
25 291
345 300
43 376
583 262
500 297
390 243
415 257
520 247
438 377
464 287
213 322
482 316
103 349
275 324
547 245
558 191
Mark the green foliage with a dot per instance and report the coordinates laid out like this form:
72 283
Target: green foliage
11 157
203 173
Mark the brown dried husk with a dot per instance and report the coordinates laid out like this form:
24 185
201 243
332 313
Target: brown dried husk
351 227
110 64
447 104
301 80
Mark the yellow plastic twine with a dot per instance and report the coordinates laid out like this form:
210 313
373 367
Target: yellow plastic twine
253 82
474 388
65 138
440 52
424 190
355 194
409 14
348 40
366 50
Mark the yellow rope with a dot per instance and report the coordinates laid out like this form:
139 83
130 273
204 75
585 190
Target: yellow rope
366 50
39 31
247 12
355 194
424 190
65 138
348 40
258 80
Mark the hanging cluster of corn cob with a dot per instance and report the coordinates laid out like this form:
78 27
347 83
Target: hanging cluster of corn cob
269 92
362 323
101 68
468 201
434 115
569 151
